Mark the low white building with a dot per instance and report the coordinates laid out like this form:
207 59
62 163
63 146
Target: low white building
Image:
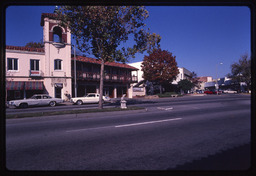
183 74
139 88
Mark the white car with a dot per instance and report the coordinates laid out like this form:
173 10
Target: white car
90 98
230 91
35 100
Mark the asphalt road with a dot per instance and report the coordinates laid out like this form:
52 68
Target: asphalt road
176 133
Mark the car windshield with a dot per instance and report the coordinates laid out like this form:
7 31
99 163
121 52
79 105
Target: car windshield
90 95
46 97
36 97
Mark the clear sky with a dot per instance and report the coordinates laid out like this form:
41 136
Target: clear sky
199 37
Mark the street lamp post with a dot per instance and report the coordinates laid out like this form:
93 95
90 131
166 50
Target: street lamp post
75 71
216 85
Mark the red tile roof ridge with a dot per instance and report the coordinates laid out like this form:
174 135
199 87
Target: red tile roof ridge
23 48
96 61
48 15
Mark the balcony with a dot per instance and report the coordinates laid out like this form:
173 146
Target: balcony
92 76
35 73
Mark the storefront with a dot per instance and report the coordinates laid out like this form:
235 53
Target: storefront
23 89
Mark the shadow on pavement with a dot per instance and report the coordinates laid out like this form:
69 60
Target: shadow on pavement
238 158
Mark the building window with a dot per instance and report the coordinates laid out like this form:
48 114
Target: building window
57 64
34 64
12 64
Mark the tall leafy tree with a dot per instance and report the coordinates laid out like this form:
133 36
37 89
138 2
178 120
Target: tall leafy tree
160 66
194 79
103 31
241 70
185 85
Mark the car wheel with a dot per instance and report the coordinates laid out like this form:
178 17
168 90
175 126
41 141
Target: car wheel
23 105
52 103
79 102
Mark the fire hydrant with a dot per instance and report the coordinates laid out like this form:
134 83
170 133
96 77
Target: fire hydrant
123 102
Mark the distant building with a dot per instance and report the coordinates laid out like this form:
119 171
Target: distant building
139 88
183 74
205 81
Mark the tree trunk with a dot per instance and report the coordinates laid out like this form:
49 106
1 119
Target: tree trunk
101 84
160 87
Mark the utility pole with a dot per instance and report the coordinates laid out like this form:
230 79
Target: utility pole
75 71
217 85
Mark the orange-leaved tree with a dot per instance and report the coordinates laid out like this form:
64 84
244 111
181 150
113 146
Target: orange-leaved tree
160 67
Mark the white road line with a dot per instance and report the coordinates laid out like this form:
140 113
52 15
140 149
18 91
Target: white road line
126 125
144 123
166 109
88 129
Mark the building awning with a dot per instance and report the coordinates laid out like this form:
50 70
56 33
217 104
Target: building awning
34 86
19 85
14 85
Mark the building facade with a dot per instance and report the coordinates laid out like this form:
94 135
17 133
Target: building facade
183 74
118 77
50 70
140 90
205 82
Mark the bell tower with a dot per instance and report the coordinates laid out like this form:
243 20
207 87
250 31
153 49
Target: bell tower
57 63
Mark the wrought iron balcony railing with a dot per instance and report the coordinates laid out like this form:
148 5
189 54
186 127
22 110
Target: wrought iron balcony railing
93 76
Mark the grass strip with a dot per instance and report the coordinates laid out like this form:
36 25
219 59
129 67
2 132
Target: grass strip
51 113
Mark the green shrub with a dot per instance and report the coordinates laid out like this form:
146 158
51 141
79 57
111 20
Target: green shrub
167 94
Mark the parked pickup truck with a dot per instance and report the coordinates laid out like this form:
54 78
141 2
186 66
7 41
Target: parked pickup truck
35 100
89 98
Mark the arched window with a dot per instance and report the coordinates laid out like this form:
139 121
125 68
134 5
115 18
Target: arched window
57 34
57 64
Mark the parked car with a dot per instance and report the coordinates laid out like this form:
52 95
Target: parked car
35 100
199 91
230 91
89 98
212 92
209 92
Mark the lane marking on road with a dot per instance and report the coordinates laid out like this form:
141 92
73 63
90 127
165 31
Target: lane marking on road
144 123
126 125
84 129
166 109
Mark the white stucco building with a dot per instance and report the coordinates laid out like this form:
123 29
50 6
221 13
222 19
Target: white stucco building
41 70
183 74
50 70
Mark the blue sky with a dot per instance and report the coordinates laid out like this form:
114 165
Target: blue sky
199 37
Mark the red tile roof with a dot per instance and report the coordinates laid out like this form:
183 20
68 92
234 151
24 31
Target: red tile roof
23 48
48 15
96 61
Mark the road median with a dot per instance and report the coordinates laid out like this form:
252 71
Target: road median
80 111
